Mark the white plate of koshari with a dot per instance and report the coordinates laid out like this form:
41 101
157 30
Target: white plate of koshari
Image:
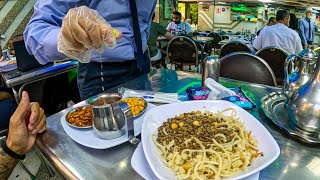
238 145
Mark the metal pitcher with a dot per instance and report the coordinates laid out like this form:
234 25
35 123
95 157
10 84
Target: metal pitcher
304 105
210 69
307 60
111 117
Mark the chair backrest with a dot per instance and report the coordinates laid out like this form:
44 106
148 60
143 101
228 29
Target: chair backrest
182 49
247 67
275 57
234 46
217 38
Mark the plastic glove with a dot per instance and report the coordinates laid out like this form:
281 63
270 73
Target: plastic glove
84 30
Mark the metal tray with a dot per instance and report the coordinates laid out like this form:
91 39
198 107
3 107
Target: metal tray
73 110
273 107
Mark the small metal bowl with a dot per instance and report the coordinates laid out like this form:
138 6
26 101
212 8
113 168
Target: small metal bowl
145 105
73 110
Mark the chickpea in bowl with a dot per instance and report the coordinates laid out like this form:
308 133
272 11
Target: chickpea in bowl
137 105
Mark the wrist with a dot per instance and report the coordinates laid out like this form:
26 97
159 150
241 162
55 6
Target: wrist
13 148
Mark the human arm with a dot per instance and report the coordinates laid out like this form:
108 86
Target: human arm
313 32
299 47
301 33
58 30
7 164
257 43
171 26
168 35
162 31
41 33
25 123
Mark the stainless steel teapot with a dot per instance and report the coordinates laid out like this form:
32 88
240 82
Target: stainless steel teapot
307 60
112 117
304 105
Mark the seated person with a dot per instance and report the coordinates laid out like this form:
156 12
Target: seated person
192 26
272 21
156 29
177 24
27 121
279 35
7 105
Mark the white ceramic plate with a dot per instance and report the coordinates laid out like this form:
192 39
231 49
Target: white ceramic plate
88 138
140 164
156 116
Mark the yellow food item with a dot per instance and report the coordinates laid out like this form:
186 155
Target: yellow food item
137 105
181 124
196 123
186 166
174 125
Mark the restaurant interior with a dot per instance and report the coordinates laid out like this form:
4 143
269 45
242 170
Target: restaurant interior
160 89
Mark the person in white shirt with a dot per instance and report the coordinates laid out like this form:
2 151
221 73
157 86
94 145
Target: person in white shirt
177 24
279 35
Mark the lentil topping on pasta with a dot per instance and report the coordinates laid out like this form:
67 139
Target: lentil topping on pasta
200 145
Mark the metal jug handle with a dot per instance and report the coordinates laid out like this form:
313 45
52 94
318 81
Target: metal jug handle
289 60
127 113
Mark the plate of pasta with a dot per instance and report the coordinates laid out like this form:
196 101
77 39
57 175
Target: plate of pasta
206 140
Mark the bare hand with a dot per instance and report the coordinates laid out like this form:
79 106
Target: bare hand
25 123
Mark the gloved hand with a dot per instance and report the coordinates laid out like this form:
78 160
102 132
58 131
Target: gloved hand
83 30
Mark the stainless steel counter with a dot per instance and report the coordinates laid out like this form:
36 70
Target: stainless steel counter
297 160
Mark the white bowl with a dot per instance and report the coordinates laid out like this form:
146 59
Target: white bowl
156 116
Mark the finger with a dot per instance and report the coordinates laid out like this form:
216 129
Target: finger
81 36
35 112
107 34
69 41
44 127
31 127
40 126
21 109
76 18
93 31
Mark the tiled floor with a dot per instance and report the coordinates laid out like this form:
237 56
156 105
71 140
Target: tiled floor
36 168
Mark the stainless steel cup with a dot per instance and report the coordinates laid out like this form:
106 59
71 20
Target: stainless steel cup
111 116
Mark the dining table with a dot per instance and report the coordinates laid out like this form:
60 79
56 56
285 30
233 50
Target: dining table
297 160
